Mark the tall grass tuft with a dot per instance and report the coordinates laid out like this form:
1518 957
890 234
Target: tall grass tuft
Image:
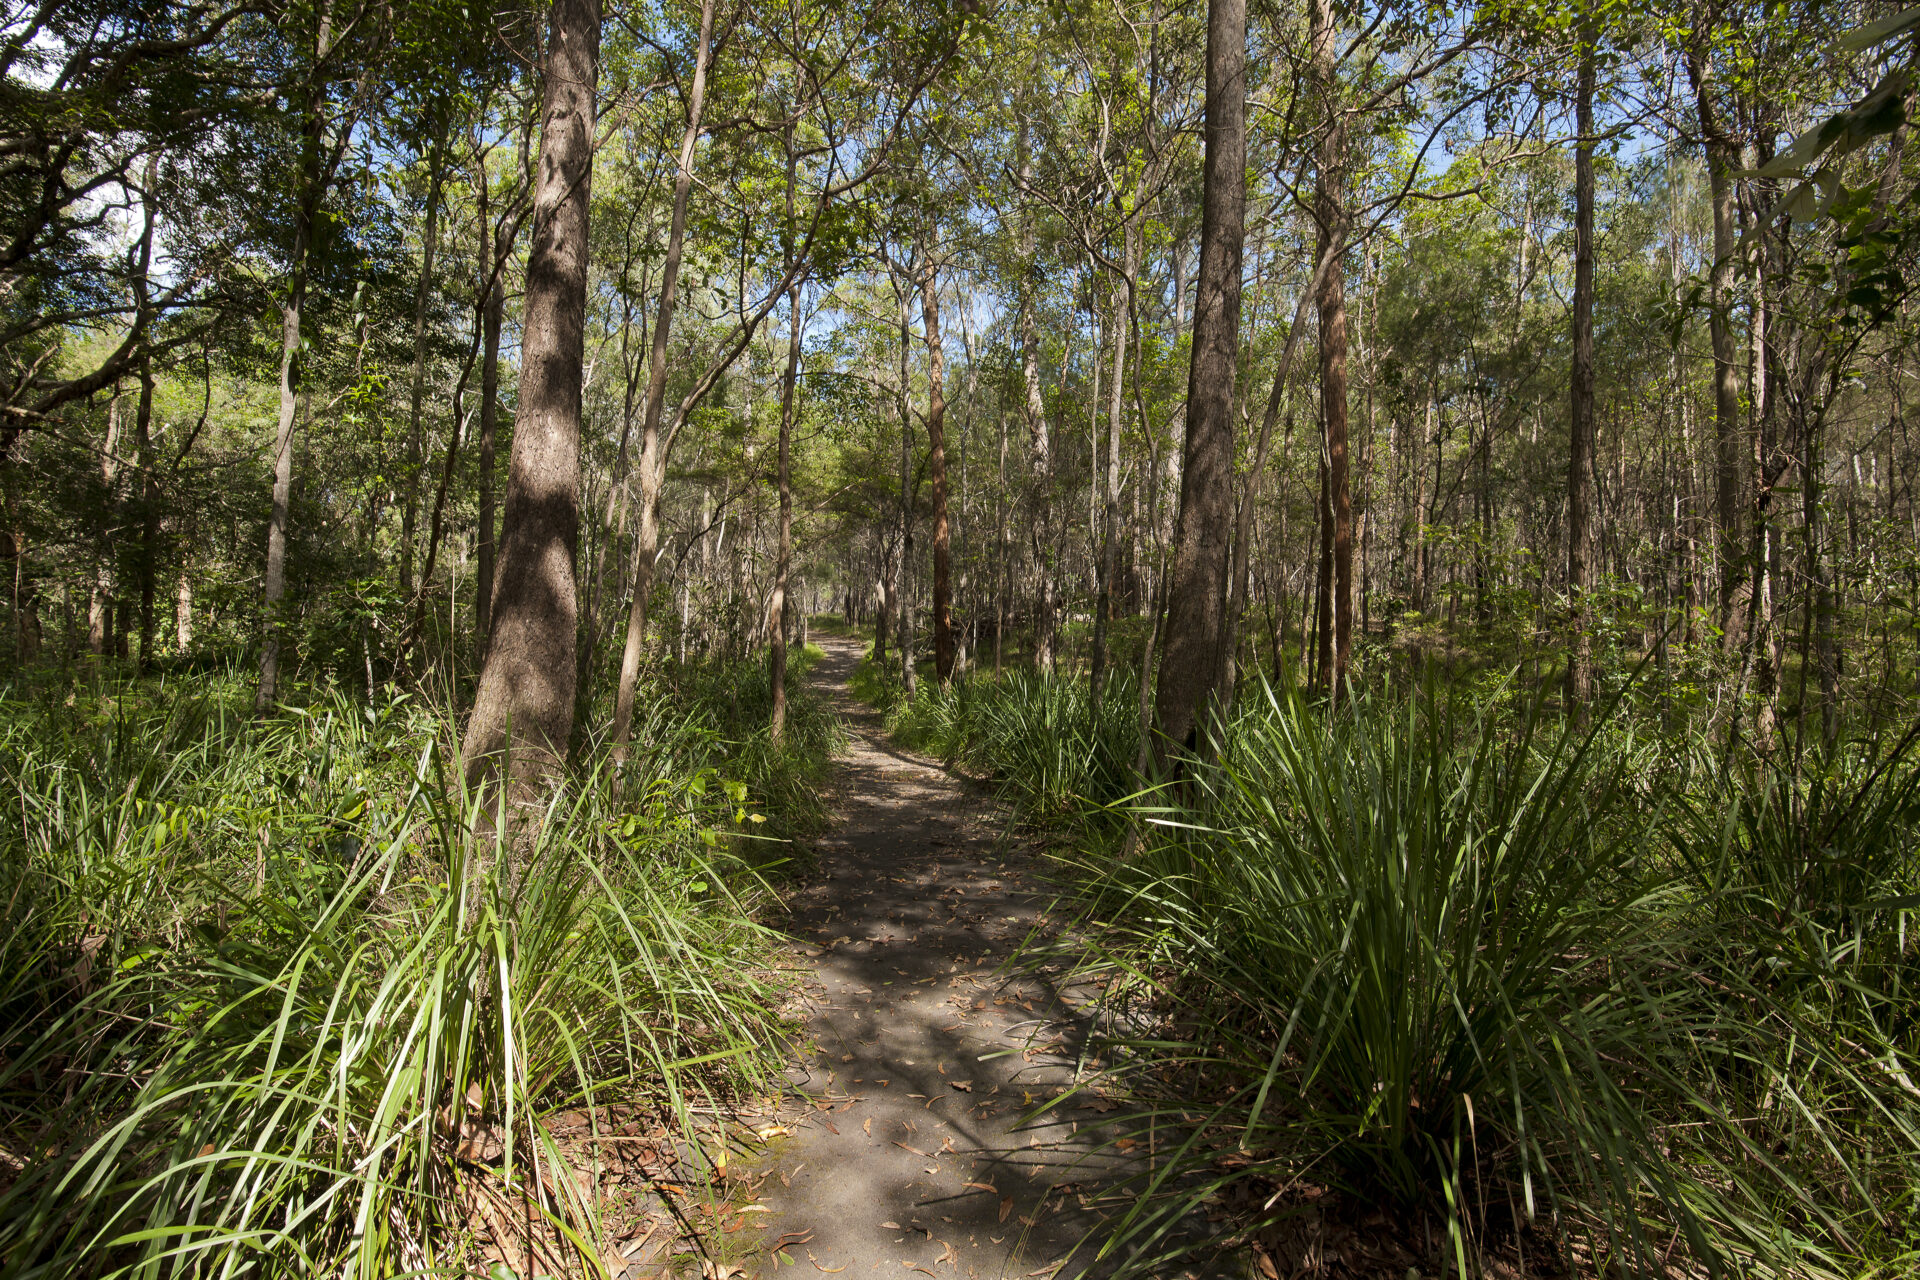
1454 968
274 1007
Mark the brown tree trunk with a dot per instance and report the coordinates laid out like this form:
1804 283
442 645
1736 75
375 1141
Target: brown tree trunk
1330 214
526 687
653 465
1580 410
937 475
1190 670
484 461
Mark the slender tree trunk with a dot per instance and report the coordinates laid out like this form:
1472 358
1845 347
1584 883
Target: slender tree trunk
485 453
276 574
1190 670
1323 592
937 475
100 604
526 687
653 464
1722 158
1580 415
1110 473
1039 446
429 243
147 562
783 554
1330 215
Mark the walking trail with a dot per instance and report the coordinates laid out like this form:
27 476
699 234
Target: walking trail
922 1058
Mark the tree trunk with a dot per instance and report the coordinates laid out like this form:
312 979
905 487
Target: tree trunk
484 461
653 465
1110 472
1190 669
937 475
1722 158
1330 215
100 603
783 554
429 242
525 695
1580 410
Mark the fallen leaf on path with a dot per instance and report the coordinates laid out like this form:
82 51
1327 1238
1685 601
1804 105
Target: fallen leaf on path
832 1271
772 1131
829 1124
868 1126
1006 1207
922 1270
980 1186
924 1155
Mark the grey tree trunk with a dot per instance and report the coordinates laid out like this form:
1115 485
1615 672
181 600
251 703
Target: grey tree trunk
652 469
1190 670
937 475
1722 158
429 244
525 699
1580 411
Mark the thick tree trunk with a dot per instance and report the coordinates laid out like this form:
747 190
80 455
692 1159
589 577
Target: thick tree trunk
525 698
1190 670
1580 410
937 475
652 469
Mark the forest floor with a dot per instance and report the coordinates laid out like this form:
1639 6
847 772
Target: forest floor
910 1148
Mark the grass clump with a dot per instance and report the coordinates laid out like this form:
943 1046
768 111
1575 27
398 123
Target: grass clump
1515 982
272 1005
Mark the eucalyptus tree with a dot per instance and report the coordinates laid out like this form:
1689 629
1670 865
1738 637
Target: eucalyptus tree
525 698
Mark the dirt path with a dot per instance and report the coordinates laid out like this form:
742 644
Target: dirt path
911 1157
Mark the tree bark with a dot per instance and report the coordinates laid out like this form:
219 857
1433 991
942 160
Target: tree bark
1580 410
783 552
1722 158
1110 471
1190 670
1330 215
525 697
652 467
937 475
429 243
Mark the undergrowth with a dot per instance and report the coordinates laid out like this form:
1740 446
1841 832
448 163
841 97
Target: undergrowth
273 999
1643 1002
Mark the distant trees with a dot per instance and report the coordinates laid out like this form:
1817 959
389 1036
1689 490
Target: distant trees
934 317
